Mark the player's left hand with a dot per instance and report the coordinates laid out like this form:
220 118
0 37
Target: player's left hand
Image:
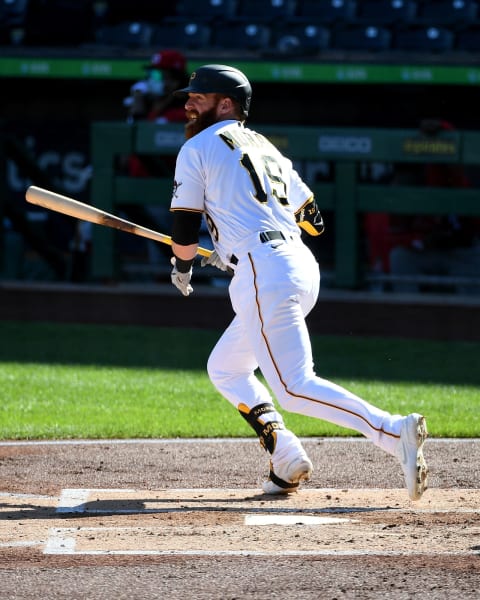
214 260
181 280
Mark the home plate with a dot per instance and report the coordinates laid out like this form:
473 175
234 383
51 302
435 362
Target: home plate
293 520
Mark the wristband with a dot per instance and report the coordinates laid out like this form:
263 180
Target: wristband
183 266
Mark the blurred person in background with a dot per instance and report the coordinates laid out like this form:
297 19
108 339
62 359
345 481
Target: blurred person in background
152 98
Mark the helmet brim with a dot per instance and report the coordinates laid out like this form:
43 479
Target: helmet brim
182 91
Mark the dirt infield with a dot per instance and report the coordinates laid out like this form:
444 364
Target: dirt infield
186 519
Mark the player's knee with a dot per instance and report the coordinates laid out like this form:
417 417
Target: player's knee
213 369
217 374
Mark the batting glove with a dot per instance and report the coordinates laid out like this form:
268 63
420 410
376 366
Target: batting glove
213 260
181 280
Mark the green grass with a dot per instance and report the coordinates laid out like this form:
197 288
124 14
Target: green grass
89 381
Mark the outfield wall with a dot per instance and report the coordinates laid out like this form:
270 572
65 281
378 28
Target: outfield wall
442 317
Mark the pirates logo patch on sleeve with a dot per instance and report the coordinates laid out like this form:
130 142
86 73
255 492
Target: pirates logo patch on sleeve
176 185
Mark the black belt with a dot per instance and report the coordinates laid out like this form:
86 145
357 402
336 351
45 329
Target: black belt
265 236
268 236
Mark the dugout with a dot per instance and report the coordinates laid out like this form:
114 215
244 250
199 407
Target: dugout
341 192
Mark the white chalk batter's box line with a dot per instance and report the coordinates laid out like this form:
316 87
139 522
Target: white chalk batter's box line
61 540
76 501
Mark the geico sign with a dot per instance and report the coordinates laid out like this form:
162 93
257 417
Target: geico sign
345 144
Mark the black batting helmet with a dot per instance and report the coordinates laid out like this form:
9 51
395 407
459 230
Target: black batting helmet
221 79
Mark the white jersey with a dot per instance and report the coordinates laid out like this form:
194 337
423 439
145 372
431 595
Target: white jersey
241 183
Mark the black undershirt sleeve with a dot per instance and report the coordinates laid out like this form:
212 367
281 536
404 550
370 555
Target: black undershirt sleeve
185 230
186 227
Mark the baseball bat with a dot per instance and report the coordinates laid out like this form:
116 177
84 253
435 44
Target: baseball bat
86 212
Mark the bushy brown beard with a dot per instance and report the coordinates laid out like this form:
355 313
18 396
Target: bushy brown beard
209 117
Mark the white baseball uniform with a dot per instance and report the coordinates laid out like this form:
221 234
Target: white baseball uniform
246 187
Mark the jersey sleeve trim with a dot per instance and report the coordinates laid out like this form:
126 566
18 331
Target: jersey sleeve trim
185 209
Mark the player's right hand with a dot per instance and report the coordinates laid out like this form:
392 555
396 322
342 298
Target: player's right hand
181 280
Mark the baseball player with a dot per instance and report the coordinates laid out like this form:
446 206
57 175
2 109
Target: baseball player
255 206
